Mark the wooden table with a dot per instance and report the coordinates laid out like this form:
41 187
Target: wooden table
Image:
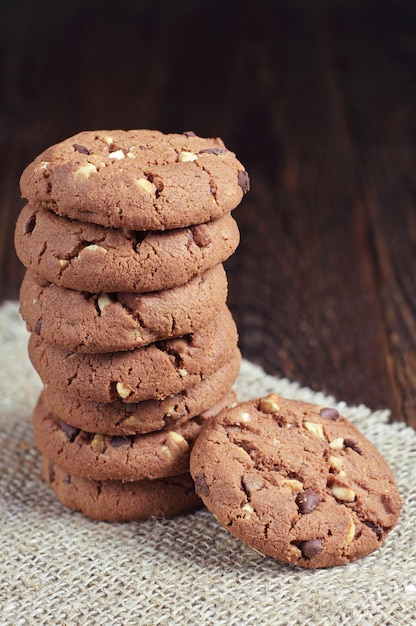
318 101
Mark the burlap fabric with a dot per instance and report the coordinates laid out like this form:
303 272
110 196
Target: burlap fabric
59 568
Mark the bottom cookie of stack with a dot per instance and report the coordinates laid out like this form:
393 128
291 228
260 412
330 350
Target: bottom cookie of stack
117 501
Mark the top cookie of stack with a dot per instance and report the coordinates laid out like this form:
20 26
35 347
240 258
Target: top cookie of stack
138 179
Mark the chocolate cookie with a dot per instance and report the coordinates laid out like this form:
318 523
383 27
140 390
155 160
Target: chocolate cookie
86 322
155 371
295 481
117 501
87 257
122 418
136 179
157 454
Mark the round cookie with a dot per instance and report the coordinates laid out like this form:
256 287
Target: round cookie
112 322
138 179
117 501
155 371
295 481
87 257
122 418
102 457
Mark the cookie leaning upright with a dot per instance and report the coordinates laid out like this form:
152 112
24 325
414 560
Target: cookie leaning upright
138 179
295 481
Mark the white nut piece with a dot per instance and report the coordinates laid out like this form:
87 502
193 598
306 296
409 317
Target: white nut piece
170 410
146 185
98 443
247 510
350 534
117 154
335 462
183 372
245 417
63 263
178 439
269 404
345 494
122 390
85 171
337 444
108 140
185 156
103 301
165 451
94 248
294 485
128 420
315 429
43 165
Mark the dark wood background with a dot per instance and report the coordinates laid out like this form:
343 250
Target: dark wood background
318 99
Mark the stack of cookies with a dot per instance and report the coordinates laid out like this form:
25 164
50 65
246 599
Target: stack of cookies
124 237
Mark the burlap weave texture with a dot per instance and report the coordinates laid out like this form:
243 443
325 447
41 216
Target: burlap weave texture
59 568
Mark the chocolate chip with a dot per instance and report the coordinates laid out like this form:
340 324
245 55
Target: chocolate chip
117 442
80 148
307 501
69 430
353 444
51 472
38 326
30 225
244 181
251 483
201 486
375 528
212 151
189 133
311 548
329 414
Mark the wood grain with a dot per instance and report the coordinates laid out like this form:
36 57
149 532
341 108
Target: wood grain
317 99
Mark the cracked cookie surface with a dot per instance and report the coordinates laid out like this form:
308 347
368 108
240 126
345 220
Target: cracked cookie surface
295 481
128 418
103 322
158 454
138 179
155 371
87 257
117 501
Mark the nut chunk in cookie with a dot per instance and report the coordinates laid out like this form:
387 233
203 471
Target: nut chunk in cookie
295 481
